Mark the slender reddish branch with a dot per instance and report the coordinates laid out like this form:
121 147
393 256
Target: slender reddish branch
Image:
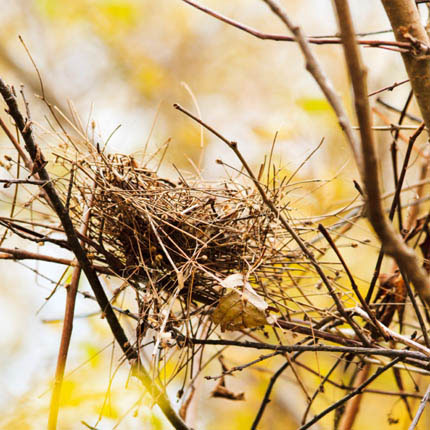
66 335
403 46
353 405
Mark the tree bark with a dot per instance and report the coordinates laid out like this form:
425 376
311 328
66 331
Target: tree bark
407 27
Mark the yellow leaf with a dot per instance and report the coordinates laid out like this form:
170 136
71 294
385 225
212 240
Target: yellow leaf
68 275
119 11
314 105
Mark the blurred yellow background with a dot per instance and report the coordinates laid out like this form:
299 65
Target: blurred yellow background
124 63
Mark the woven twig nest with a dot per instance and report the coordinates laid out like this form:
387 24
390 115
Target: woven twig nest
146 229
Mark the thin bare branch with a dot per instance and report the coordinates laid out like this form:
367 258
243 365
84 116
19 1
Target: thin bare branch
317 40
314 68
353 393
420 410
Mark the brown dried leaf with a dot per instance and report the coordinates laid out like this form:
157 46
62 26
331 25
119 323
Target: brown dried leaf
391 297
235 312
184 408
223 392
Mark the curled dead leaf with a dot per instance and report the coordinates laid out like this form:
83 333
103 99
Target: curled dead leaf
223 392
241 308
221 389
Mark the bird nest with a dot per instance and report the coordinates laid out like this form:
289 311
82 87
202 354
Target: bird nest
176 238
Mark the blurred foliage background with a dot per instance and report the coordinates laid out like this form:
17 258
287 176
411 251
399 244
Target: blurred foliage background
124 63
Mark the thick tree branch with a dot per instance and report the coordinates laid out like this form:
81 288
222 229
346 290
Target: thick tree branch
406 23
392 242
